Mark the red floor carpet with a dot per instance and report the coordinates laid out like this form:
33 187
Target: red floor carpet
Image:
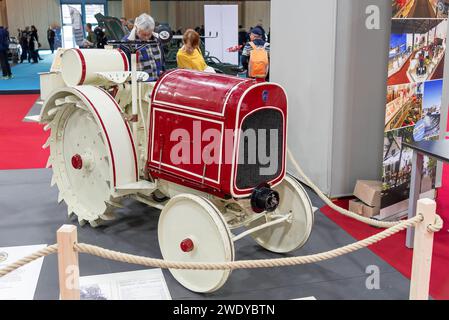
393 249
20 142
21 148
400 77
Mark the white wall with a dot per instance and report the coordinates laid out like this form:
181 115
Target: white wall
307 74
334 72
222 20
41 13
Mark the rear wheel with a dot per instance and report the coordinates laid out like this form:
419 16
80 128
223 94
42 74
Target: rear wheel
80 162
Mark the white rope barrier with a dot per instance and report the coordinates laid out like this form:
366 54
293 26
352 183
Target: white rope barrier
28 259
248 264
68 248
353 215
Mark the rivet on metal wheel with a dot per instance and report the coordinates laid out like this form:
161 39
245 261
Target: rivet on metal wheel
187 245
77 162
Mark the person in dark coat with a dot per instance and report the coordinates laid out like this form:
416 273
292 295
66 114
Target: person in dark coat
51 35
4 49
34 45
24 43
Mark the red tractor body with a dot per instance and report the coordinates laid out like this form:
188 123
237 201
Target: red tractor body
199 131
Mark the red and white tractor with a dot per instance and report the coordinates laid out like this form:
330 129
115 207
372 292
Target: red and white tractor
208 150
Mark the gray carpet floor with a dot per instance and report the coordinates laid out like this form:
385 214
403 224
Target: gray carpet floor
29 215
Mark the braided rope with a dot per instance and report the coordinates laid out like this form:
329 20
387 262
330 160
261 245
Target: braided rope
355 216
437 226
245 264
248 264
28 259
391 229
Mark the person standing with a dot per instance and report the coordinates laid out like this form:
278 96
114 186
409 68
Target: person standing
4 48
124 22
264 33
190 56
33 44
256 55
130 25
37 45
100 38
51 35
24 43
91 39
151 56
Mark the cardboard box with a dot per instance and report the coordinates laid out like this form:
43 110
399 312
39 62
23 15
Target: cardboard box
356 206
369 192
370 212
363 209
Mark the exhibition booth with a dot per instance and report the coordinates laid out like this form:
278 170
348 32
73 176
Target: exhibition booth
124 176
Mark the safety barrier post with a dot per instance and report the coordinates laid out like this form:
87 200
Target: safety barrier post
68 266
422 254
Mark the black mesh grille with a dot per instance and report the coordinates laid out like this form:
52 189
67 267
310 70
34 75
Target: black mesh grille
261 145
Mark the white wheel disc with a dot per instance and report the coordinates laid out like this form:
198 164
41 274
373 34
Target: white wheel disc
192 219
293 233
80 163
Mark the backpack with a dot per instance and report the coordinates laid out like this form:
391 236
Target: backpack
258 62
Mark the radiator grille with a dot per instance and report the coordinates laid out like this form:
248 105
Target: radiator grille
261 149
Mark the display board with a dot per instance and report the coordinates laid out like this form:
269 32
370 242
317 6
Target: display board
414 96
221 30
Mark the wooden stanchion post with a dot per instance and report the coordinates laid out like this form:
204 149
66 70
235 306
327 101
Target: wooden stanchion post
422 254
68 266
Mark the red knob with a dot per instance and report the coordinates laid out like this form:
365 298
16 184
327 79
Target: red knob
77 162
187 245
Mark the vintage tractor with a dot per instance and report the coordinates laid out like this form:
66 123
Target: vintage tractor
208 150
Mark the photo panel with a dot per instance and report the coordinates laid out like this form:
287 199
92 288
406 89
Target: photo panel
397 167
414 94
404 106
420 8
429 125
417 50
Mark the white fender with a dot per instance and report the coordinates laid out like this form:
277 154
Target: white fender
115 132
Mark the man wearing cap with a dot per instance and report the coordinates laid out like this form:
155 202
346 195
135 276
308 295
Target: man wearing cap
257 37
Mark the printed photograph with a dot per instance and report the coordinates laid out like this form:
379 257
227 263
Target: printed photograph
92 292
420 8
397 168
417 50
431 113
404 106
